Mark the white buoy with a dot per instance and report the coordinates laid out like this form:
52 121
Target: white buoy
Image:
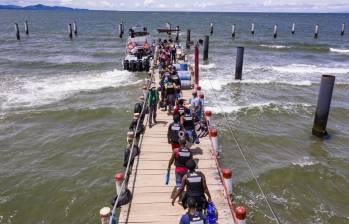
233 31
208 114
105 214
316 31
343 29
119 177
228 180
293 30
240 213
213 133
275 31
252 28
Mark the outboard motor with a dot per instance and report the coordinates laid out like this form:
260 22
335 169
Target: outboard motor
133 65
139 66
126 65
146 65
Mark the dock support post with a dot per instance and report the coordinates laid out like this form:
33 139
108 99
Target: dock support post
121 29
119 177
26 28
75 28
343 29
196 61
293 30
206 44
211 31
18 36
105 214
188 39
275 31
252 28
241 214
316 31
323 105
177 34
70 31
239 62
233 31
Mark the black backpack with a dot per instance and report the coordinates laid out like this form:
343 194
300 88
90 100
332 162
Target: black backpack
138 107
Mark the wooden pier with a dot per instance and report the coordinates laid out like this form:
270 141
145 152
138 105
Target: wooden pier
151 201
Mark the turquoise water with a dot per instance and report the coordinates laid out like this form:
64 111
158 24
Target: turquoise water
65 107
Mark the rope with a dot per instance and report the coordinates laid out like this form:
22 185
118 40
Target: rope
131 152
277 220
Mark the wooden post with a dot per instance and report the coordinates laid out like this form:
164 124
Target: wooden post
252 28
239 62
343 29
75 28
196 61
323 105
316 31
70 31
26 28
206 45
293 30
275 31
121 30
233 31
18 36
211 29
188 39
177 34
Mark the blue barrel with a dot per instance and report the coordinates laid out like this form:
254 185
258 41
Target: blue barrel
183 67
184 75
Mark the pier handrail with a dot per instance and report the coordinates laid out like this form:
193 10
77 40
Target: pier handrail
131 152
244 157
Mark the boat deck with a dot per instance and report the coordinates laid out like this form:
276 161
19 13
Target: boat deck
151 197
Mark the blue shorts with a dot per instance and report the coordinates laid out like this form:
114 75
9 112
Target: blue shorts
179 177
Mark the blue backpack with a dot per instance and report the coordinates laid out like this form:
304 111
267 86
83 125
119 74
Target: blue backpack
212 215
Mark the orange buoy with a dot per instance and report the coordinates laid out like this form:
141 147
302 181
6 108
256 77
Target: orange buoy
240 213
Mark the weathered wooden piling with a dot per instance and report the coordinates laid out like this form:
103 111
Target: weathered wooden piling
196 62
316 31
188 39
70 31
323 105
26 28
211 30
252 28
75 28
239 62
206 45
343 29
275 31
293 29
18 36
233 31
121 29
177 33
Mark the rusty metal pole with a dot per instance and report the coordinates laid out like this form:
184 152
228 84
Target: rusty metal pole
323 105
188 38
196 60
206 44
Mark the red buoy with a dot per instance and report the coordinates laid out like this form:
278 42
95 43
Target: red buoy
208 113
198 88
119 176
240 213
213 132
201 95
227 173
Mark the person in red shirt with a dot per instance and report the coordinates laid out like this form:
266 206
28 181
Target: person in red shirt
179 157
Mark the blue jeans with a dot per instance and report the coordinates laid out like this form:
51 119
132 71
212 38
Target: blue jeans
179 177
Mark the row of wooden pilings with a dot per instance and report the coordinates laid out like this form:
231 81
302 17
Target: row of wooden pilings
325 92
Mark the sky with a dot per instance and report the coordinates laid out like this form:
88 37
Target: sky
198 5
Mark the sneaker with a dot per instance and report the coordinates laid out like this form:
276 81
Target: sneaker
197 141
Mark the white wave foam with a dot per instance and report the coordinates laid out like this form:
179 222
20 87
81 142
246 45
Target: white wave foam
208 66
340 50
275 81
309 69
305 161
275 46
31 92
290 106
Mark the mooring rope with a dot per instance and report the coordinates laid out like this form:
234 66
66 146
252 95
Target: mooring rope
131 152
277 220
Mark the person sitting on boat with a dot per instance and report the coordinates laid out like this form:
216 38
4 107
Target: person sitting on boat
192 216
187 120
153 101
170 94
196 187
173 132
180 156
196 106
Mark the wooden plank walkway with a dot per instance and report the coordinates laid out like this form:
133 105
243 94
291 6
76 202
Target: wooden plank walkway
151 197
